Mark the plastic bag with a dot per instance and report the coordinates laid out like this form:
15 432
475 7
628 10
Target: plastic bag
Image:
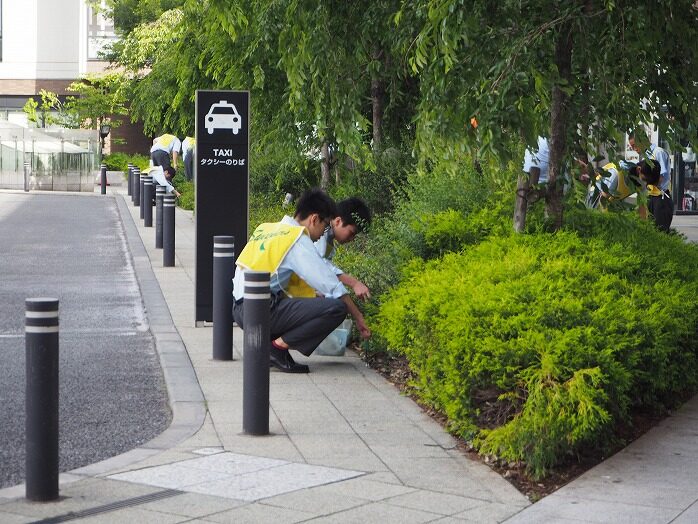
336 342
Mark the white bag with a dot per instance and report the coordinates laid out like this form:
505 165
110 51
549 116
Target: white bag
336 342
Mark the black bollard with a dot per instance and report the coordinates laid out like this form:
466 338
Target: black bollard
148 202
141 199
41 425
129 180
159 194
168 230
255 359
223 272
26 176
137 187
103 171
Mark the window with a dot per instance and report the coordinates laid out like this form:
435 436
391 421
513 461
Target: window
100 31
0 30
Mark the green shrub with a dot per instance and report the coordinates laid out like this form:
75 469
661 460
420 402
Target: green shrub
565 332
120 161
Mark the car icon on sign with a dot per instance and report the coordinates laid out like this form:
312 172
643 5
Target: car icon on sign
223 115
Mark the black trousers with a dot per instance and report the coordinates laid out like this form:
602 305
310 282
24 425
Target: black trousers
662 210
161 158
302 322
189 165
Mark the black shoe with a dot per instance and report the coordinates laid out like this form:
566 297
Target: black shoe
281 359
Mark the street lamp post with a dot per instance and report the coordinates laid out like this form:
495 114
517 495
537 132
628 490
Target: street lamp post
104 130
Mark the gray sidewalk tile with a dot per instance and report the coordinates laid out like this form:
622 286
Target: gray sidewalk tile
378 512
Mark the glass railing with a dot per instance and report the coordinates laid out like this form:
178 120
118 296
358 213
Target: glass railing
58 159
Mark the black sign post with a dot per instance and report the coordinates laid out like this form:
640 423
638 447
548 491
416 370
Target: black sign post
221 166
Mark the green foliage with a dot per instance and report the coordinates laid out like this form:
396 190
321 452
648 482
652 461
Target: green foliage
435 211
48 112
187 198
120 161
99 97
570 330
266 208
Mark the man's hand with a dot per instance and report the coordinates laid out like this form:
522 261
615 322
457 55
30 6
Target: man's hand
364 331
361 290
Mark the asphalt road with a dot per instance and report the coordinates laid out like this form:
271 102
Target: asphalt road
112 394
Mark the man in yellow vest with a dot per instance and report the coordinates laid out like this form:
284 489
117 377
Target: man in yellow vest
165 151
308 300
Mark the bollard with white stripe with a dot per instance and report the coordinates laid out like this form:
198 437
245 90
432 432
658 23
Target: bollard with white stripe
255 359
41 401
141 197
129 180
27 169
147 204
103 172
136 187
168 230
223 272
159 195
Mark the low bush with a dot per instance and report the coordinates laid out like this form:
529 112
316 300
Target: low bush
537 346
120 161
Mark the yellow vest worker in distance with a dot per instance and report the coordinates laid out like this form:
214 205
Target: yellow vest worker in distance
308 300
165 151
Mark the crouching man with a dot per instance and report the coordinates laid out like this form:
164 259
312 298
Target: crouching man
308 300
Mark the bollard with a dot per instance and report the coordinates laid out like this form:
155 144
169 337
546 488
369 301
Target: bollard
168 231
129 180
137 187
141 199
103 171
147 204
159 194
26 176
41 404
255 348
223 272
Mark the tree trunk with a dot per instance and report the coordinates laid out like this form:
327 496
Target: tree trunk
378 102
325 166
521 203
559 115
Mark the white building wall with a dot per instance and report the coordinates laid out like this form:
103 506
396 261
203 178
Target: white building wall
44 39
19 34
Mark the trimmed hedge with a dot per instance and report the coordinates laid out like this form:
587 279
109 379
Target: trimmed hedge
563 333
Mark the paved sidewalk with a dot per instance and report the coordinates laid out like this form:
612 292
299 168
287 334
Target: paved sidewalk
345 446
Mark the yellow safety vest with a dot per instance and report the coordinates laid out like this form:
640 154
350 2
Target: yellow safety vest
165 140
622 190
267 248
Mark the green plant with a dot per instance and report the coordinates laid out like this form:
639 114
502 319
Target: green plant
120 161
570 331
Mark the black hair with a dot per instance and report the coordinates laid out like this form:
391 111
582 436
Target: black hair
649 171
354 211
315 201
169 169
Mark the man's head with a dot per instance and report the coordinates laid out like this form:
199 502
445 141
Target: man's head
353 216
314 210
169 172
649 172
638 140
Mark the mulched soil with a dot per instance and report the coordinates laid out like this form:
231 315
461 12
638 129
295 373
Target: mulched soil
396 370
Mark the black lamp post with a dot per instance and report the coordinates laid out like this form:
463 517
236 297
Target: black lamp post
104 130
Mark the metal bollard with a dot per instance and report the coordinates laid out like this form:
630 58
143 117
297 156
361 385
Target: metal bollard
137 187
129 180
141 198
223 272
103 171
159 194
26 175
41 425
255 360
147 204
168 231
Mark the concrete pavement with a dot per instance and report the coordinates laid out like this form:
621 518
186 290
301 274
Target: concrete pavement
345 446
